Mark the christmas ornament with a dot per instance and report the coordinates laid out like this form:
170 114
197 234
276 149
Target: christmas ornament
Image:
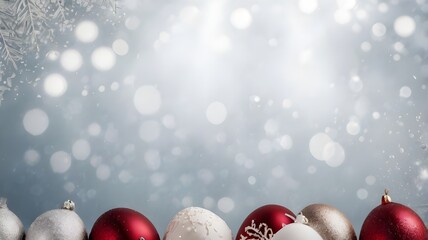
264 222
393 221
58 224
299 230
11 227
123 224
196 223
329 222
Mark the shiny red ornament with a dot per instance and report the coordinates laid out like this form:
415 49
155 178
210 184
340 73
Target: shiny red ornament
264 222
123 224
393 221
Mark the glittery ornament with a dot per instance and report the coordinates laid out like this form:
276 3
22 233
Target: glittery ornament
299 230
11 227
58 224
393 221
329 222
123 224
196 223
264 222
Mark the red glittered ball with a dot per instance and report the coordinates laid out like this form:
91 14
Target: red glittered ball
123 224
264 222
393 221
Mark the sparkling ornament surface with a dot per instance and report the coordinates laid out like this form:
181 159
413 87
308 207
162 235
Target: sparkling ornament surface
393 221
264 222
57 224
299 230
11 227
196 223
123 224
329 222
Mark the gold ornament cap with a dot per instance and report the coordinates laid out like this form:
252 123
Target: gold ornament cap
386 198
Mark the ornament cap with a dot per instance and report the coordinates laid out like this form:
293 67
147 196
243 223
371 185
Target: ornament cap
69 205
3 203
386 198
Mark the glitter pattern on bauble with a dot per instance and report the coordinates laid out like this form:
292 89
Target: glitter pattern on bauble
299 230
11 227
329 222
58 224
264 222
196 223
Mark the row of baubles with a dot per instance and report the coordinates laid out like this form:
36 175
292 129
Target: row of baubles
389 221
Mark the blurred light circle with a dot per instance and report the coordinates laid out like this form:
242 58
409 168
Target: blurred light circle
169 121
216 113
81 149
404 26
71 60
147 100
220 43
346 4
86 31
370 180
55 85
337 156
60 162
317 146
103 58
149 131
353 128
376 115
342 16
271 127
252 180
36 121
265 146
405 92
120 47
132 22
125 176
378 29
355 84
94 129
152 159
103 172
31 157
362 193
308 6
366 46
189 14
286 142
241 18
287 103
226 204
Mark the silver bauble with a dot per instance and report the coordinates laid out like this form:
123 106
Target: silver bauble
58 224
11 227
329 222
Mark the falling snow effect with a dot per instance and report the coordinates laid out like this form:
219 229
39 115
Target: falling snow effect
225 106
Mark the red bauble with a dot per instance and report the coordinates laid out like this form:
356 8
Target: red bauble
264 222
393 221
123 224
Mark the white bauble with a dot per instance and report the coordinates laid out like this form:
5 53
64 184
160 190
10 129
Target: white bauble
58 224
195 223
296 231
11 227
